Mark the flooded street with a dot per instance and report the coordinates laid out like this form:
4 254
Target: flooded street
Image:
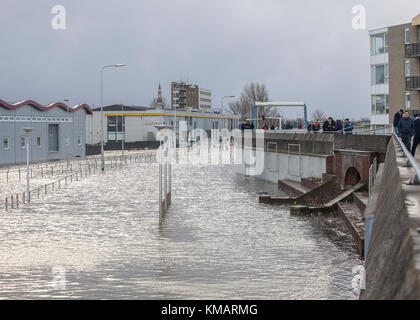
216 241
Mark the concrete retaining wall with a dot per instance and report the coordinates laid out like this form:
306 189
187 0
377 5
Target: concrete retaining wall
393 258
281 166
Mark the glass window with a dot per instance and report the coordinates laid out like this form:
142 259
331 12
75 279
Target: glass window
379 44
112 124
386 73
386 42
380 74
38 142
407 100
79 140
407 68
22 142
6 143
407 35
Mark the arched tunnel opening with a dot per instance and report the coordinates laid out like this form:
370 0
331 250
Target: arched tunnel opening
352 176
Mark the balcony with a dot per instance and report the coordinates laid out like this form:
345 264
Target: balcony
412 50
412 83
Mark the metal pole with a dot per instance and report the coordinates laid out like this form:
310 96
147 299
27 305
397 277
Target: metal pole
27 165
123 127
102 121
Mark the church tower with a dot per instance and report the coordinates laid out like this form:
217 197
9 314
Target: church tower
159 99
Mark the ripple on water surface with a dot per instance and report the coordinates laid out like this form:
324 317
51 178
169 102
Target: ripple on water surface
216 242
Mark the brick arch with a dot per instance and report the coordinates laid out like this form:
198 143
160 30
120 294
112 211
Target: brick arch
352 176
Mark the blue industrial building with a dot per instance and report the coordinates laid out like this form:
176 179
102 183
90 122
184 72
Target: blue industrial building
58 131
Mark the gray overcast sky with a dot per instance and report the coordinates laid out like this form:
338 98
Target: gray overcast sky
302 50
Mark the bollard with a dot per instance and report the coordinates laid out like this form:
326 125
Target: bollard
52 171
42 172
17 200
65 181
6 204
38 193
11 200
59 184
62 169
52 186
19 173
7 176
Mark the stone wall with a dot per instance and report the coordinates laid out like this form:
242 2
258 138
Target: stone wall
393 258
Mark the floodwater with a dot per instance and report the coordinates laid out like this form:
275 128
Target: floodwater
99 239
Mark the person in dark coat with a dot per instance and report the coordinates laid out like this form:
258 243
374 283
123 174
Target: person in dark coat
406 129
338 126
325 125
397 118
416 139
348 127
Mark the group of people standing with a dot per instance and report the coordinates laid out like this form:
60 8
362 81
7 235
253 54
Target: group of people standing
406 128
331 126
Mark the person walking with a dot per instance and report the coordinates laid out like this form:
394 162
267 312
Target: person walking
397 118
348 127
416 139
406 129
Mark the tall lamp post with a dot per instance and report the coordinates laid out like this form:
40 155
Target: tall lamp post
123 130
221 110
102 110
67 101
28 132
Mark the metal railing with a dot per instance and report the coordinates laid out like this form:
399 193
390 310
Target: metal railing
412 83
411 161
412 50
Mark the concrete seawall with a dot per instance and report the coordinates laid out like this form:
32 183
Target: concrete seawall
393 258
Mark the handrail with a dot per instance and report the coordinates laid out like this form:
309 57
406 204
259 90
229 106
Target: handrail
411 161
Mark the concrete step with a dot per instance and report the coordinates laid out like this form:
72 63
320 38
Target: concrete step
292 187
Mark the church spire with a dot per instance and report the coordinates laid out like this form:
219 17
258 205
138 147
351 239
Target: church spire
160 99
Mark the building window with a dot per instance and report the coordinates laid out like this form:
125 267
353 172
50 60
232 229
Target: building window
53 142
407 35
38 142
6 143
380 104
407 100
407 68
23 142
79 140
379 74
379 44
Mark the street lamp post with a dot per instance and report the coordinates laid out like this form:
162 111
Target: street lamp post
102 110
28 132
67 101
221 110
123 129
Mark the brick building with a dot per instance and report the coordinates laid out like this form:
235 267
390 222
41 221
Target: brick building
395 71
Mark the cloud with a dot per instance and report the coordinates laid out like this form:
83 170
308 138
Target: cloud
302 50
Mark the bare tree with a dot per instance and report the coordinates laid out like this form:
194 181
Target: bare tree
318 115
253 92
154 103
